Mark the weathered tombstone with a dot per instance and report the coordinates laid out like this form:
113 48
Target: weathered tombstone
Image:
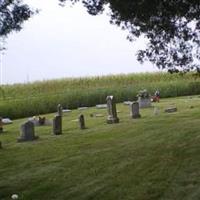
1 125
171 109
134 107
81 121
112 112
27 132
144 102
127 103
99 115
60 110
66 110
7 121
101 106
57 125
82 108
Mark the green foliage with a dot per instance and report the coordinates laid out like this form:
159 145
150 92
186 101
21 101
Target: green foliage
173 43
12 15
22 100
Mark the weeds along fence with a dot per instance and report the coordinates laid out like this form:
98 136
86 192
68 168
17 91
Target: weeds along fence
18 101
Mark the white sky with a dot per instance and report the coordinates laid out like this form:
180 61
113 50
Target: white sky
68 42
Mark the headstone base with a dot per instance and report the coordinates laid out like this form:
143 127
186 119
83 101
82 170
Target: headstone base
111 120
26 140
136 116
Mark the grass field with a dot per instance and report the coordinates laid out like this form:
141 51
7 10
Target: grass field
155 157
23 100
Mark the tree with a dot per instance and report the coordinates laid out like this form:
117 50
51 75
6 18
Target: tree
171 26
12 15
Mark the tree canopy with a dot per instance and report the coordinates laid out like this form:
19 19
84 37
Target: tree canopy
12 14
172 27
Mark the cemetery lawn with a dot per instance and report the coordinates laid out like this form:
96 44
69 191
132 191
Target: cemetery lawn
155 157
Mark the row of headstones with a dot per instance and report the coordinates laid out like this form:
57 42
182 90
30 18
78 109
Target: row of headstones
112 111
28 133
28 129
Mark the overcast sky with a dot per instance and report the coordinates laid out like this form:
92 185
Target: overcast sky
68 42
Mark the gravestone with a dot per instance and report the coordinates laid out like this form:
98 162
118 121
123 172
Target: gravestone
112 112
57 125
99 115
81 121
1 125
60 110
134 107
82 108
66 110
0 145
171 109
127 103
27 132
101 106
144 102
7 121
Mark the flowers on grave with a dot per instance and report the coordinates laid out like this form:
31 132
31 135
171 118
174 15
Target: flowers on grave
143 94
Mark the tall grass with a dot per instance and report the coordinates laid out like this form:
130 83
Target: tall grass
22 100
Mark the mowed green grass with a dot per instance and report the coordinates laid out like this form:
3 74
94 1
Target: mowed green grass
154 157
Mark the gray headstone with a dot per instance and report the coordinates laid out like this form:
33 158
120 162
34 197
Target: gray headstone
57 125
101 106
27 132
112 112
7 121
66 110
144 102
81 121
135 112
170 110
99 115
59 110
82 108
127 103
1 125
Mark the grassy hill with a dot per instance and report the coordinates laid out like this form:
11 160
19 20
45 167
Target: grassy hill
155 157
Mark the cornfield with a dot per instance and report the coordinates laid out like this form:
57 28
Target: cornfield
23 100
